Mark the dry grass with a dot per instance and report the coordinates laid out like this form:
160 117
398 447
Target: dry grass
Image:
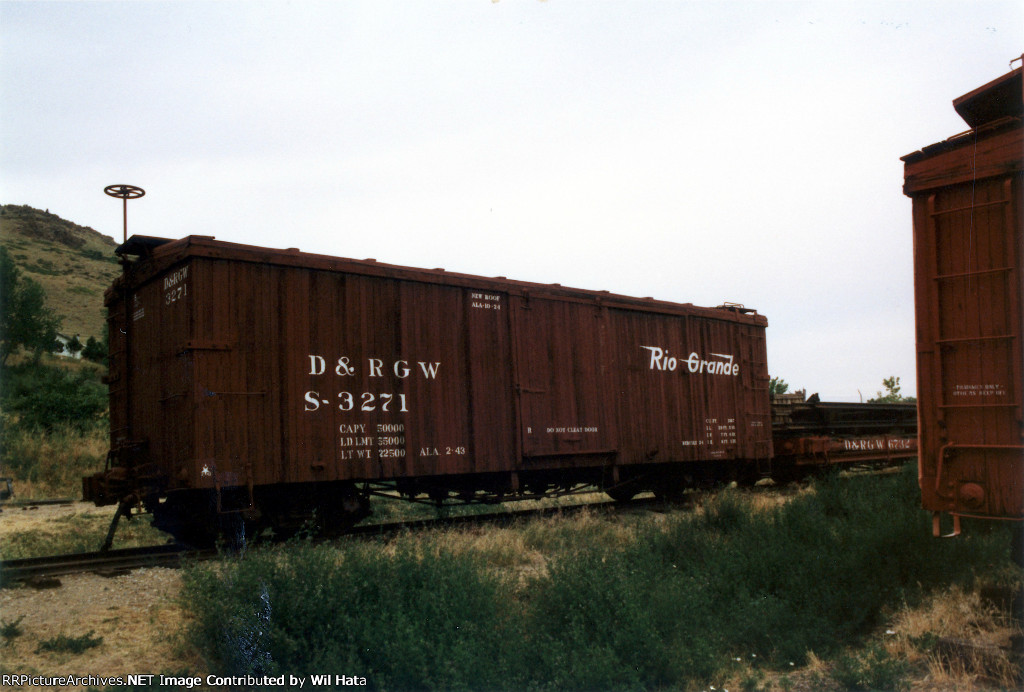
57 529
520 551
955 641
136 615
962 641
51 465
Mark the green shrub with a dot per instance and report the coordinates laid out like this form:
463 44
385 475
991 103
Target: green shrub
405 621
46 397
873 669
673 606
10 630
65 644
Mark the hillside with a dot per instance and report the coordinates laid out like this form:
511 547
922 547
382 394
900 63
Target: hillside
74 264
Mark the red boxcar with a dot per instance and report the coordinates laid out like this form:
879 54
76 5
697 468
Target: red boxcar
969 284
267 383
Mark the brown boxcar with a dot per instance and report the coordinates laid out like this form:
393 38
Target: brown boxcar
267 383
969 284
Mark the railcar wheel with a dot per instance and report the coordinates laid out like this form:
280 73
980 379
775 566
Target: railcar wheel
339 513
622 493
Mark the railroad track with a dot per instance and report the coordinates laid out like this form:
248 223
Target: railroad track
41 570
387 528
44 571
33 504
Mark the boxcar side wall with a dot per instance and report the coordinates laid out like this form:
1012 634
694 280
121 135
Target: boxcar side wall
233 370
968 251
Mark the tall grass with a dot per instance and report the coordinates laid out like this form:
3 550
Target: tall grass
53 426
46 464
80 532
672 606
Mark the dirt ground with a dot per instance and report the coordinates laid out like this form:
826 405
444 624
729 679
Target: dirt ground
135 614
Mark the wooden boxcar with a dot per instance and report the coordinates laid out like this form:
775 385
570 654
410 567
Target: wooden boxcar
264 384
968 279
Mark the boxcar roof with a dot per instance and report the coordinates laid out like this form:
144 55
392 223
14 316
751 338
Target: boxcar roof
157 254
1000 98
990 109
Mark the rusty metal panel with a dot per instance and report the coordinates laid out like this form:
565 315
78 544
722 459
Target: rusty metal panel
968 252
818 451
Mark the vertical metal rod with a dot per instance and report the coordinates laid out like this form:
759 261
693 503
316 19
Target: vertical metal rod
124 193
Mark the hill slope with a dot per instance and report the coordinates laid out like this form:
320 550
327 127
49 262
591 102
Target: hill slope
74 264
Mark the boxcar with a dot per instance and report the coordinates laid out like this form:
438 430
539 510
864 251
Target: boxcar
266 384
969 284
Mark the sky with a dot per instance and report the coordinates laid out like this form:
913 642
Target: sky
694 151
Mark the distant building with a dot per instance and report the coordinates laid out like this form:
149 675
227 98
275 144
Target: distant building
62 346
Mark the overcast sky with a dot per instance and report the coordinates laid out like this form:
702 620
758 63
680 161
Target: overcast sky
691 151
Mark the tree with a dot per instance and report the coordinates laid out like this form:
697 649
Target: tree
25 321
892 393
777 386
95 351
75 345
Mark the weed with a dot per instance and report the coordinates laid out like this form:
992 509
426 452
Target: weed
412 619
10 630
65 644
50 464
752 682
872 669
607 604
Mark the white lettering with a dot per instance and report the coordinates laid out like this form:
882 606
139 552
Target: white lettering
656 355
317 365
174 278
312 401
429 369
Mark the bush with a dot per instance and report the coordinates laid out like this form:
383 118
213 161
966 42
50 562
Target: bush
65 644
405 621
673 607
47 397
53 427
10 630
874 669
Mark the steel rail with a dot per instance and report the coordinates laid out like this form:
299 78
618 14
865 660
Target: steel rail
111 561
391 527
